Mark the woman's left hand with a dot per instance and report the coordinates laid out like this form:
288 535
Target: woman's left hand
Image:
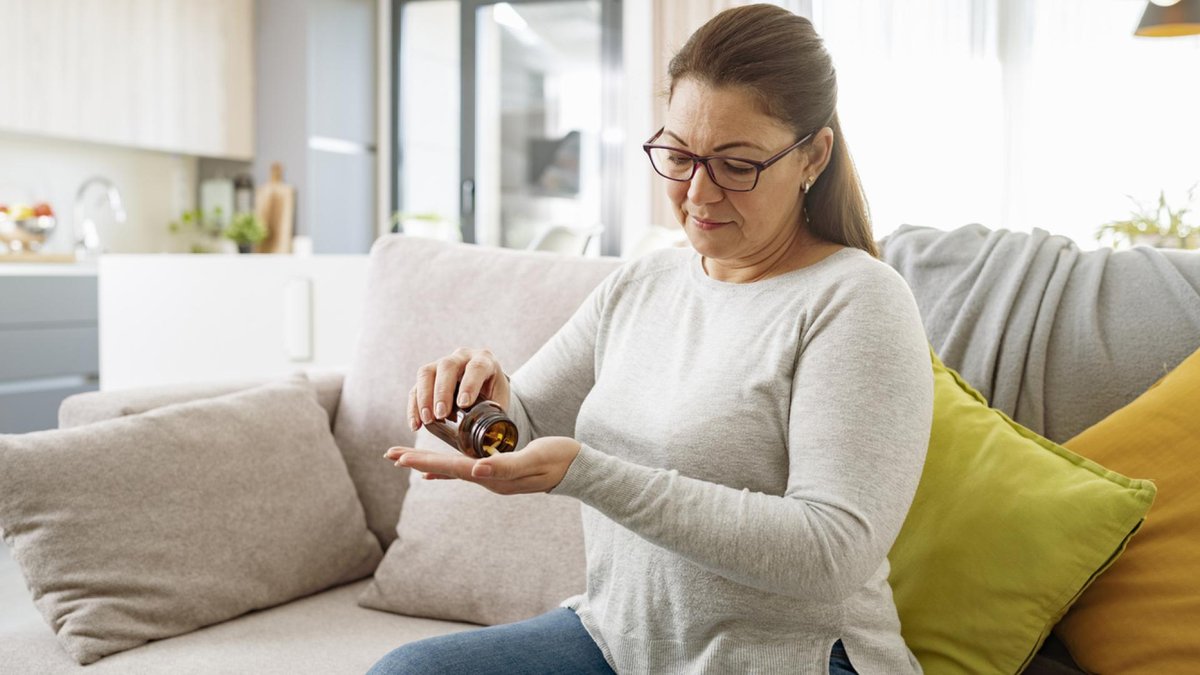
538 467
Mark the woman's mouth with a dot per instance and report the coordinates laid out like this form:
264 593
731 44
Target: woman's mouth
704 224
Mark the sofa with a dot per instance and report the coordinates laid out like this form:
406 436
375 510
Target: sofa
424 299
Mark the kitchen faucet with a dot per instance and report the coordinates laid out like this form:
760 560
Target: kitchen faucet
87 235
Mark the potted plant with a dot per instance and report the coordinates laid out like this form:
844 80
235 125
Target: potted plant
428 225
1160 226
202 230
247 230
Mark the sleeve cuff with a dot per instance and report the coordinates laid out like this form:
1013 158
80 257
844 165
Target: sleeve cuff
602 481
579 474
516 412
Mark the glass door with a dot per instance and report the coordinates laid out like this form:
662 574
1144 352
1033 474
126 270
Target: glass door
536 107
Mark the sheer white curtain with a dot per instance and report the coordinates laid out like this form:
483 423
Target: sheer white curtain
1011 113
921 103
1102 114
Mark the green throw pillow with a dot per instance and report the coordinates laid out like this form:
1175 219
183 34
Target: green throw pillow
1005 532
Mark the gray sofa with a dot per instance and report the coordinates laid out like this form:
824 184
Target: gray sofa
425 298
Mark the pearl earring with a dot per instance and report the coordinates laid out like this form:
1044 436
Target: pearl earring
807 184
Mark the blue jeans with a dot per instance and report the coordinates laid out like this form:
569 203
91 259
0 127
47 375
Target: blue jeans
555 642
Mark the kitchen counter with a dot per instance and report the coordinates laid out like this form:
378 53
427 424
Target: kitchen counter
26 269
50 263
170 318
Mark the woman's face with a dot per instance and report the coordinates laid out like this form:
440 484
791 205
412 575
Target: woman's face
735 230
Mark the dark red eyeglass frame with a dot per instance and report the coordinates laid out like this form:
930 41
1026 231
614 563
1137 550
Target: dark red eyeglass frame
704 159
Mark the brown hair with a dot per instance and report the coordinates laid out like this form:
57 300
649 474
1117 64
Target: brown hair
778 57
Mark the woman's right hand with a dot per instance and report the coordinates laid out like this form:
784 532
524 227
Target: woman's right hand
481 377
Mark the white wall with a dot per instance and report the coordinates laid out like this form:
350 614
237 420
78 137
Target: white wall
155 186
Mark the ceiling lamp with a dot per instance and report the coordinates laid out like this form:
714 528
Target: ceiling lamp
1164 18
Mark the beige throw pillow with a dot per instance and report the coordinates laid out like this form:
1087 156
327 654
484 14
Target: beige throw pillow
94 406
152 525
463 553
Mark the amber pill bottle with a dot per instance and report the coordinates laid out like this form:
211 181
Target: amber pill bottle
482 429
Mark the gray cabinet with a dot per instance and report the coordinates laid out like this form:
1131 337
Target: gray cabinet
49 347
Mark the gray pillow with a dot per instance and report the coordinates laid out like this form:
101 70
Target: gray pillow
155 524
463 553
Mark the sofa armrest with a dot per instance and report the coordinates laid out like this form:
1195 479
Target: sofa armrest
94 406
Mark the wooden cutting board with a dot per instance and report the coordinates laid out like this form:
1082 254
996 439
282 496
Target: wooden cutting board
37 257
275 203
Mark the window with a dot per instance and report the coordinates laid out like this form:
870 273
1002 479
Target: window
1014 114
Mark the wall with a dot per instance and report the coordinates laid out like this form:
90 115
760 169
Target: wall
155 186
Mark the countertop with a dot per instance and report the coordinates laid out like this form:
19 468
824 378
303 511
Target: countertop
45 269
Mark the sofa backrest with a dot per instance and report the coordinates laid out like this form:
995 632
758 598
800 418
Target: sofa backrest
425 298
1056 337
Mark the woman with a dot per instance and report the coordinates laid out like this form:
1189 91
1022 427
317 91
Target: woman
745 422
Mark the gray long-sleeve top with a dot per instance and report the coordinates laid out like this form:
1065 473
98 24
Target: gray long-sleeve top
750 452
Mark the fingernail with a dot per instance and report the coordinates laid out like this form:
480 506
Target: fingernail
441 409
426 417
482 470
412 423
463 400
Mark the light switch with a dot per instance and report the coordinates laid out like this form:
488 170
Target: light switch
297 320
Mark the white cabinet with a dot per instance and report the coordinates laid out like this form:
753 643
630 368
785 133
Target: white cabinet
172 75
197 318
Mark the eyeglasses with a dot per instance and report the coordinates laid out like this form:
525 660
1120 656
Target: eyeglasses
729 173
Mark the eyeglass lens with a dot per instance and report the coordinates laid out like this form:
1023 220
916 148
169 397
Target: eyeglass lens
730 174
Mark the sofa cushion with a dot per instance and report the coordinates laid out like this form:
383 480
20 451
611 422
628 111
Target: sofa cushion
425 299
1144 613
324 633
517 556
152 525
1004 533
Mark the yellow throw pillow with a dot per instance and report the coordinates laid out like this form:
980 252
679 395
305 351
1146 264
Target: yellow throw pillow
1143 615
1005 531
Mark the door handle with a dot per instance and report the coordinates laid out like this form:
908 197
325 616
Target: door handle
468 197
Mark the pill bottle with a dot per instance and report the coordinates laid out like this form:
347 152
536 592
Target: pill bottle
482 429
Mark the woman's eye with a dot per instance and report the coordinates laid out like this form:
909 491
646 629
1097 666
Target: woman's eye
679 160
735 168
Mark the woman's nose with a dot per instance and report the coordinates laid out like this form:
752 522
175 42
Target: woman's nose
702 189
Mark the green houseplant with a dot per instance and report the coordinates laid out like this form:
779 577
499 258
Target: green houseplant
202 230
430 225
1159 225
247 230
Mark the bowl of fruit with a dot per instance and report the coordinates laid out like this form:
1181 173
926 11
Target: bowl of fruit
24 227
